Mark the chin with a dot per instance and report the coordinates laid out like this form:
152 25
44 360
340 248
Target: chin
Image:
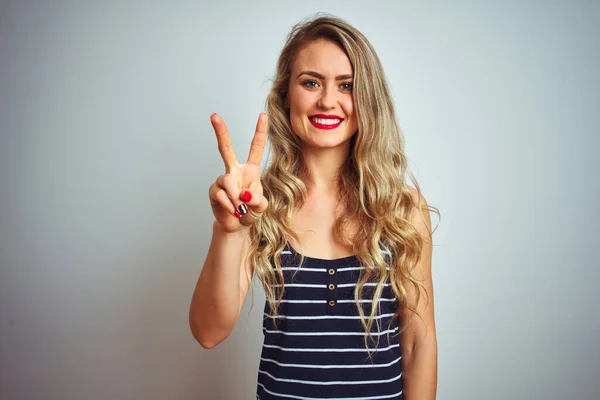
323 138
327 142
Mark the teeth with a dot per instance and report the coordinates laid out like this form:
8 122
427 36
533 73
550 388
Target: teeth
326 121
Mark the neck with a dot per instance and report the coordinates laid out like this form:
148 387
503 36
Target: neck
323 168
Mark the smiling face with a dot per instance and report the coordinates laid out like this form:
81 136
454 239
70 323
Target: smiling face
320 97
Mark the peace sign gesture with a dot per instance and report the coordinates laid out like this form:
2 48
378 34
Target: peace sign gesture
237 197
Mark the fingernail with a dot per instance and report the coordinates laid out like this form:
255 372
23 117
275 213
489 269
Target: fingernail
246 196
243 209
237 215
211 115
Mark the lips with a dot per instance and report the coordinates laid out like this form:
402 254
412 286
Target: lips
322 121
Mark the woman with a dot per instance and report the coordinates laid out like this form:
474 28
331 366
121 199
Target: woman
340 242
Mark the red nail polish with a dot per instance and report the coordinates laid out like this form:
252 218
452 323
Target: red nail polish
237 214
246 196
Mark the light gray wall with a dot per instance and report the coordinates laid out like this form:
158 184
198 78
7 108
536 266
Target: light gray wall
106 155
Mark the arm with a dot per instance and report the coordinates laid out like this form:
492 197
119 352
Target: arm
221 288
418 341
225 278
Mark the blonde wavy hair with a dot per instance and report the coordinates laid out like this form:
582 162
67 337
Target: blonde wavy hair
372 181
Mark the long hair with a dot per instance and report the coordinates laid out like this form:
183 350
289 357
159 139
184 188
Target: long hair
372 180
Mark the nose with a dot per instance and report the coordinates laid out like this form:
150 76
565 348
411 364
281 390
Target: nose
327 100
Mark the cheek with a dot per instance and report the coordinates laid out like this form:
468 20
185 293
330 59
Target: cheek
296 112
349 104
348 107
298 104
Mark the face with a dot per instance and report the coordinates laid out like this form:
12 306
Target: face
320 96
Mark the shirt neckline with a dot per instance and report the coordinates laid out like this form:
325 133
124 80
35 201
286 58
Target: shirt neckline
323 261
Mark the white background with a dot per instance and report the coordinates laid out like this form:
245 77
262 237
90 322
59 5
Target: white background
106 156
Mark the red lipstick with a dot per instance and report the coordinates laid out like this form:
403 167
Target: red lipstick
316 121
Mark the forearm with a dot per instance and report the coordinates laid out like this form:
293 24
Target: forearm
419 371
215 304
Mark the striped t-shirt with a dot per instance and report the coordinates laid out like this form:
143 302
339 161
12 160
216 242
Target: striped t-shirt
315 349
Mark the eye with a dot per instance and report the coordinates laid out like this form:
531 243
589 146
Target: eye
310 84
346 87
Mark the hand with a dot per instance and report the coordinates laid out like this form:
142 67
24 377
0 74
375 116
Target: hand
240 185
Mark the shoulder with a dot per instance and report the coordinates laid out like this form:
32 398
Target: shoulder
419 215
415 195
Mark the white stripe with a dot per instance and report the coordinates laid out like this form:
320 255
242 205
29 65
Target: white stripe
304 269
365 301
324 316
291 396
355 268
349 269
305 301
286 252
330 333
326 383
335 350
366 284
302 285
332 366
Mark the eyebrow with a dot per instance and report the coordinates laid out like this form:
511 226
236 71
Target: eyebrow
317 75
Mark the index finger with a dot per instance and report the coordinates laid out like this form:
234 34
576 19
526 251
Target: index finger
224 142
259 140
